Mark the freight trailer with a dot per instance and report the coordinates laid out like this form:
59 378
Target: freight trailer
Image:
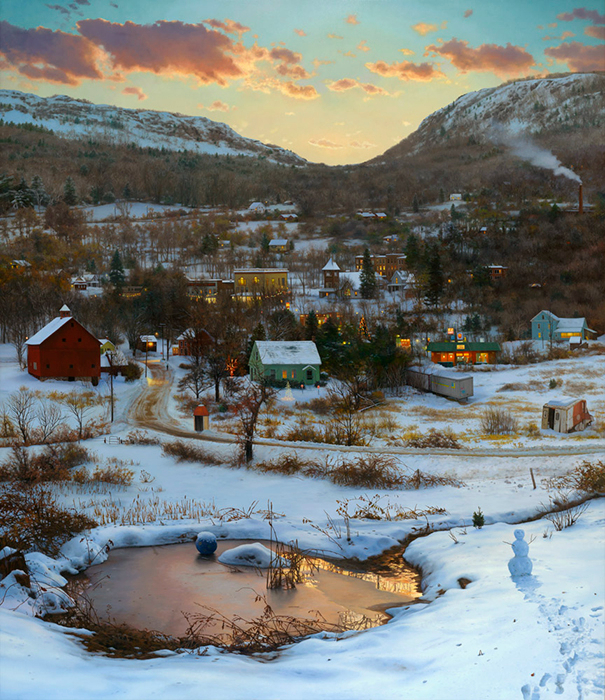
453 385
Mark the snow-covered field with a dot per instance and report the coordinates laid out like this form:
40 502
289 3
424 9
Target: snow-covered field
531 638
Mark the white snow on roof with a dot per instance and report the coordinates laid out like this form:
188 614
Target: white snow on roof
562 402
255 206
65 308
278 241
284 352
353 277
570 325
48 330
439 371
331 265
148 339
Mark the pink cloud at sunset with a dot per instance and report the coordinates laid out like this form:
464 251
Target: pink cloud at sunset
352 19
467 14
140 95
216 106
406 70
578 57
345 84
324 143
228 26
582 13
43 54
503 61
595 32
300 32
362 46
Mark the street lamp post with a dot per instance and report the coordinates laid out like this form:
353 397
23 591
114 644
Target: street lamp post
146 355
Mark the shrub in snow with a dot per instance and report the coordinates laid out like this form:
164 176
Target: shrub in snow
478 518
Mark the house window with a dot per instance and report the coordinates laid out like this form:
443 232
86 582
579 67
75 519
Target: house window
71 366
293 374
79 340
309 375
272 374
284 374
64 340
538 325
241 281
35 365
93 366
47 366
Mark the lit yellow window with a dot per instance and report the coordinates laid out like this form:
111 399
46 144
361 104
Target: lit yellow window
241 281
284 374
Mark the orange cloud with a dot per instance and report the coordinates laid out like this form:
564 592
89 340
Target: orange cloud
350 83
324 143
352 19
579 57
423 28
406 70
407 52
595 32
44 54
582 13
564 35
216 106
228 26
317 62
299 92
300 32
350 54
468 13
503 61
363 144
334 36
135 91
362 46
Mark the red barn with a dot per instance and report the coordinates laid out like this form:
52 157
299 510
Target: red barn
64 349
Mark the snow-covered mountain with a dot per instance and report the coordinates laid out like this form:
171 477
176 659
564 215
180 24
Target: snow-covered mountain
553 105
73 118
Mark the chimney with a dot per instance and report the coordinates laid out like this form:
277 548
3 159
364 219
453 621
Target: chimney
580 200
64 311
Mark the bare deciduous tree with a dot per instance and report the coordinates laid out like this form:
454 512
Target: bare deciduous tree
49 417
249 400
79 405
21 408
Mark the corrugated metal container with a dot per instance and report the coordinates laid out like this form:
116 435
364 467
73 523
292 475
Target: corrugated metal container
451 384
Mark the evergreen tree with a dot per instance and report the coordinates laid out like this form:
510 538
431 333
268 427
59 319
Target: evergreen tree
69 192
258 333
116 271
412 252
435 278
311 325
441 195
415 205
367 279
6 189
127 192
22 196
95 194
264 242
41 197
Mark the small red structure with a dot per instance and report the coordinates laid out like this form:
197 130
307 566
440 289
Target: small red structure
64 349
201 419
565 415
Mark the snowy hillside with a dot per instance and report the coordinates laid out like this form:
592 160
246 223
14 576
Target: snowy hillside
559 104
74 118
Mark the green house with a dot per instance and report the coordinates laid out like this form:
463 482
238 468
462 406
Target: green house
278 362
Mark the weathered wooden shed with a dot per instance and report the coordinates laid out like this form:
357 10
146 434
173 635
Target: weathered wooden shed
453 385
565 415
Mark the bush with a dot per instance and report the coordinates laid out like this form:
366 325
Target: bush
368 471
186 452
31 518
444 439
141 437
588 477
497 421
132 371
52 464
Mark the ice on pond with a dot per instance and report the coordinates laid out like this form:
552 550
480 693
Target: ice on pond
248 555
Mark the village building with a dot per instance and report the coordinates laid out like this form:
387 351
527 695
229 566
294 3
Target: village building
452 353
403 283
497 272
289 217
147 343
548 326
208 289
106 346
257 208
331 279
278 362
19 265
384 265
260 282
279 245
193 343
455 197
64 349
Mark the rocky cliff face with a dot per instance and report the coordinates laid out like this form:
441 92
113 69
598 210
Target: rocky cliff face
72 118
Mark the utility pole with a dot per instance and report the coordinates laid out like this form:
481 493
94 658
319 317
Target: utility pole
162 326
146 355
110 360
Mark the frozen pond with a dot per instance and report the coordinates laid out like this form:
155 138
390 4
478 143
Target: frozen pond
150 587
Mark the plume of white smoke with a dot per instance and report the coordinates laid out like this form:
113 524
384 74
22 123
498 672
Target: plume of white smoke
529 151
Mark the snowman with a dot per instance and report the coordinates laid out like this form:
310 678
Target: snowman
520 564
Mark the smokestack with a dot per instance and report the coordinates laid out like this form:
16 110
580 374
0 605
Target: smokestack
580 200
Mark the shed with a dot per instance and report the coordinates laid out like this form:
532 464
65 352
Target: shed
147 343
64 349
201 419
565 415
279 361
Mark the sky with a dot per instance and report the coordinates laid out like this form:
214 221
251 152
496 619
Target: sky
336 81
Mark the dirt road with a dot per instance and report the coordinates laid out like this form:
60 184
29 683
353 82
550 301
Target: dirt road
150 410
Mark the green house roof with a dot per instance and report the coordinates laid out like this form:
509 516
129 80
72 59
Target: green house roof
463 347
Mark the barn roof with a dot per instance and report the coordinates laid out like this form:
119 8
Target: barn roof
48 330
284 352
